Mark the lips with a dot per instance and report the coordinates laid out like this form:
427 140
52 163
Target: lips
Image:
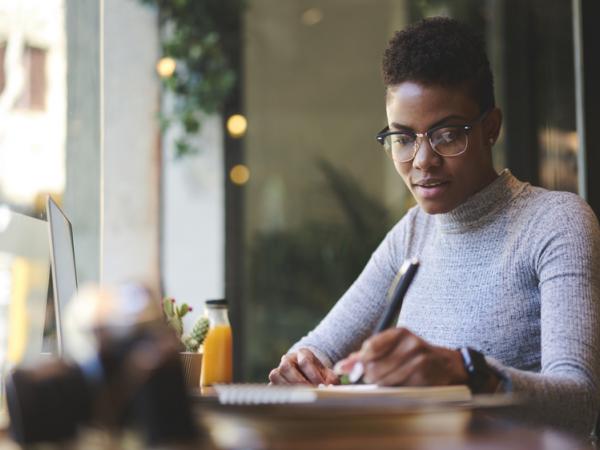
430 182
430 188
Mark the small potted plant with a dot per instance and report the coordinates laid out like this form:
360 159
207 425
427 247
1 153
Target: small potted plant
190 343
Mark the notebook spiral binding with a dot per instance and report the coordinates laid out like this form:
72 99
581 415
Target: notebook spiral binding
258 394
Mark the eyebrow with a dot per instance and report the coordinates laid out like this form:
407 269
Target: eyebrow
436 124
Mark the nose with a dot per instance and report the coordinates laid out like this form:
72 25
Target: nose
425 157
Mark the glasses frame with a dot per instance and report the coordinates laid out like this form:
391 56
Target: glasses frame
427 134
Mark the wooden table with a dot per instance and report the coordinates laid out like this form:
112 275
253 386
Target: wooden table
335 426
367 427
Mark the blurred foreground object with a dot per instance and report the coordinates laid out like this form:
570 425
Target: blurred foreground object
125 373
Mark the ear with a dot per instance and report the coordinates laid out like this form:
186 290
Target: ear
492 125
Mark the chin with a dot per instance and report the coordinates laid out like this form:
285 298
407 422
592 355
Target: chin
435 207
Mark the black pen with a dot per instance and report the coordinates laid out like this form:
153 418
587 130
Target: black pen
390 316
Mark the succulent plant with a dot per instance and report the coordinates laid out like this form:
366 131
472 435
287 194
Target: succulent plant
174 315
196 337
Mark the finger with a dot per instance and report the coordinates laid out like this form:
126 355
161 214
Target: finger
412 373
345 366
312 367
406 349
382 343
314 370
276 378
331 377
289 370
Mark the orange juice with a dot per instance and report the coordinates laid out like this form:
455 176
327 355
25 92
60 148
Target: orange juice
216 362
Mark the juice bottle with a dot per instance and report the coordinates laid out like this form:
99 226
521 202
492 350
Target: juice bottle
217 358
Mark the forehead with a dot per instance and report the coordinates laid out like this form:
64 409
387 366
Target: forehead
411 103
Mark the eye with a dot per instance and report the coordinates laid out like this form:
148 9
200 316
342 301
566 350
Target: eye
402 139
447 135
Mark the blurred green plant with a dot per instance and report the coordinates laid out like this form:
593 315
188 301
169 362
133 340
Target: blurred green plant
295 276
195 339
202 37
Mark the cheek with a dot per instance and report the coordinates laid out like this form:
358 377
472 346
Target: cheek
403 170
474 162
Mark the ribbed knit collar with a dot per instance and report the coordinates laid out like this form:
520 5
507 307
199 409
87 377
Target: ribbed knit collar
482 205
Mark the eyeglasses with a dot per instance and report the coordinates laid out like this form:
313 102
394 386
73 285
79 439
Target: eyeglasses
445 140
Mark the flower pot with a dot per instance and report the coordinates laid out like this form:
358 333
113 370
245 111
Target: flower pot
192 364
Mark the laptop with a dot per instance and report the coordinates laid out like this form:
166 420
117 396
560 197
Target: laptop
24 275
62 259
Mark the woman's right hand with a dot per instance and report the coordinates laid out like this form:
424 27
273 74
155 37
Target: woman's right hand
302 367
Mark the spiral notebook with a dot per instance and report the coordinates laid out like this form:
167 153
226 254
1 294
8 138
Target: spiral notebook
256 394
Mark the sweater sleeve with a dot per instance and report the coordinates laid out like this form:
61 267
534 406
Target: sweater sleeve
354 316
566 257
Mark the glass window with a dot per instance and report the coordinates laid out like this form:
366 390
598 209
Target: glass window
32 102
50 121
322 193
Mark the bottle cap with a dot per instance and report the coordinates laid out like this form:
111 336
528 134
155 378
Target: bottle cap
217 302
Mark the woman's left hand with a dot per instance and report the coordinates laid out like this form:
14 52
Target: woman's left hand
399 357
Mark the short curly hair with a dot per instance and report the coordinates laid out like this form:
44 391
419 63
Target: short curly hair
440 51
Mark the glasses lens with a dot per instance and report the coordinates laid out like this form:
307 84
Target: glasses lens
449 141
400 146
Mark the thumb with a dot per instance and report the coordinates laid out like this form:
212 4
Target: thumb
344 366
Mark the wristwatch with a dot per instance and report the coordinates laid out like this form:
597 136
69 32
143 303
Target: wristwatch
478 371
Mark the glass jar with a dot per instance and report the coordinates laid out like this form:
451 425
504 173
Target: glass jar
217 348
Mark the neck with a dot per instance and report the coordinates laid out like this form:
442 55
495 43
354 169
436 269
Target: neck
487 178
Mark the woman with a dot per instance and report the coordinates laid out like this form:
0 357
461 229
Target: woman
506 296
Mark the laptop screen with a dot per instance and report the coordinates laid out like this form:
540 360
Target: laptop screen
64 275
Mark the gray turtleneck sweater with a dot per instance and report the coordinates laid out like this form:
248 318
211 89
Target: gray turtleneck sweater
513 272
